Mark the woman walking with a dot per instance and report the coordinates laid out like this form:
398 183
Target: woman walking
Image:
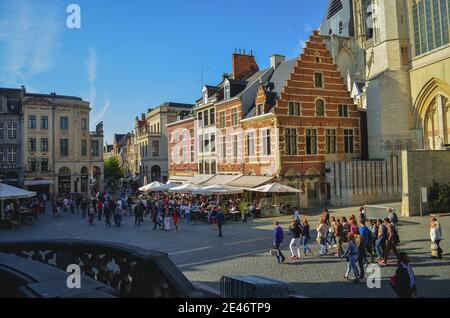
352 255
91 213
353 226
436 238
332 233
322 232
345 228
118 215
175 220
306 237
340 237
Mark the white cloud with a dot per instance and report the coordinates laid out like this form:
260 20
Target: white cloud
301 45
92 75
29 38
99 116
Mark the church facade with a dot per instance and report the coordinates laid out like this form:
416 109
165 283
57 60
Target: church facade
395 55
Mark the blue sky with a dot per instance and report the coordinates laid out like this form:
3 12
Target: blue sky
133 55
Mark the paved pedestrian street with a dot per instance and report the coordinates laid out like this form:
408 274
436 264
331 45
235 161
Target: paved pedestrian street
244 250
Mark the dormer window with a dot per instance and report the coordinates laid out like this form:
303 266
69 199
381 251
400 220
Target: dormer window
205 98
227 91
260 110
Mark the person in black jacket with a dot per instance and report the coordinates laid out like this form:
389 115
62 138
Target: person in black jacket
404 280
296 241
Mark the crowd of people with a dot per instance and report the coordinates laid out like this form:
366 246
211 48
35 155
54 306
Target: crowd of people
366 241
162 209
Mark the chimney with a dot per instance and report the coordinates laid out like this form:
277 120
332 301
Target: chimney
244 65
276 60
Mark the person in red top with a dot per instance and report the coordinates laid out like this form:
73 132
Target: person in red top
99 210
175 220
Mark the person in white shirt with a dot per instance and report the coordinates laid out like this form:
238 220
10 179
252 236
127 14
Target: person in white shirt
322 232
436 238
187 213
297 215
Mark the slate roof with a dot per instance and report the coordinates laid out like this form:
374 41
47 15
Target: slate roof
177 105
274 80
118 137
53 96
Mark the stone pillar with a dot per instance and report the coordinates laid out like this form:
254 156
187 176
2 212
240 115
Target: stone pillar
441 120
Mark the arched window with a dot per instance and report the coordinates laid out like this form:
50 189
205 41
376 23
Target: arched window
64 171
341 28
436 125
330 32
320 108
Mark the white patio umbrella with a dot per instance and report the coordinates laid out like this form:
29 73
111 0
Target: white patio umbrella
154 186
185 188
275 188
8 192
218 189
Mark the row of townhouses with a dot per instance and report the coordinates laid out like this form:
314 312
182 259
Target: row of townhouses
46 145
371 86
143 152
283 122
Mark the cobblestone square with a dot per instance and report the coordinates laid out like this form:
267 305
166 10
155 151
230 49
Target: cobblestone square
244 250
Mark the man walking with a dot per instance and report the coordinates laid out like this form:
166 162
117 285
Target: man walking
139 211
107 213
392 240
296 231
220 218
381 241
278 237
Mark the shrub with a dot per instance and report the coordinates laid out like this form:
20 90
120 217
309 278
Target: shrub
439 198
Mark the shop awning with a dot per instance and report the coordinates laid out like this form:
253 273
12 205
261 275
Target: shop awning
221 179
38 182
180 179
8 192
249 182
200 179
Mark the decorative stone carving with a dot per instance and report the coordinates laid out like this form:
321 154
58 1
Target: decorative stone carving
38 102
446 105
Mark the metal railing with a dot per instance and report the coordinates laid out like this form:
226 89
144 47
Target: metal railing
254 287
134 272
376 212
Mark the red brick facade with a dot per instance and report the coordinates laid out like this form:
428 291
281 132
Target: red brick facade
311 121
301 88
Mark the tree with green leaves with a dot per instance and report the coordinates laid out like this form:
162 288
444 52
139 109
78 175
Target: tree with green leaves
113 169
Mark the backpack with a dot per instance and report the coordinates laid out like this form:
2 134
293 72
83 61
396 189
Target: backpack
367 233
394 218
